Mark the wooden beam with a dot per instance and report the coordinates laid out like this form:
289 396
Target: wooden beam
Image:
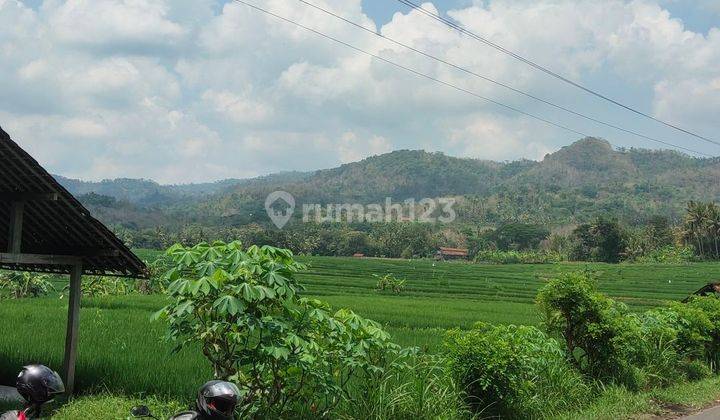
73 328
90 253
16 196
16 224
39 259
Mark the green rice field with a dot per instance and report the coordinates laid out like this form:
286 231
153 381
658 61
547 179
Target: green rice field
122 351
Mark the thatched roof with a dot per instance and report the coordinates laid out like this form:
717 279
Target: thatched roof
56 228
708 289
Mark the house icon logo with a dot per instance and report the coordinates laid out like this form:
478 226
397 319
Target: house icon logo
280 206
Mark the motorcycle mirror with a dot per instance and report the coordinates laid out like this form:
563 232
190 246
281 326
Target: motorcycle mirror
140 411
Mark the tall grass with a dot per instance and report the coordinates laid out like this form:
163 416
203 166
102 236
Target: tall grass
425 391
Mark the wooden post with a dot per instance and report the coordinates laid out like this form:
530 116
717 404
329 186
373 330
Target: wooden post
16 223
73 324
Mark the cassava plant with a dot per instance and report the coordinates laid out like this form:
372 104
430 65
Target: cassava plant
287 354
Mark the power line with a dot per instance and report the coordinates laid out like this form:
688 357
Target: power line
440 81
488 79
548 71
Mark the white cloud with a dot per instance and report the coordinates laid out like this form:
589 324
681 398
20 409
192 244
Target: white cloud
83 127
190 90
238 108
352 148
694 101
132 24
493 138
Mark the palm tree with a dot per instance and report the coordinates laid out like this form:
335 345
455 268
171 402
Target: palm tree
712 223
694 221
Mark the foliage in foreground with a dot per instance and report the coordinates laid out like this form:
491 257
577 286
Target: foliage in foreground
521 372
425 390
514 371
609 344
286 353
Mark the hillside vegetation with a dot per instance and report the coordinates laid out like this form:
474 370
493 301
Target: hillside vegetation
570 186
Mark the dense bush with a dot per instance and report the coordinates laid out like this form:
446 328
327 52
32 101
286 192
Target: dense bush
425 390
518 257
17 285
669 254
93 286
514 371
156 282
286 353
389 283
709 307
607 343
594 331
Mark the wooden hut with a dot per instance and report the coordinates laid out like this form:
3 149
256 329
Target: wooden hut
707 290
445 253
43 228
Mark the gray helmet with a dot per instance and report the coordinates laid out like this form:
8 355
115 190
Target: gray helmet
39 384
217 400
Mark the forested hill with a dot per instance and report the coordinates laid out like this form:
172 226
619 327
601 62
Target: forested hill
574 183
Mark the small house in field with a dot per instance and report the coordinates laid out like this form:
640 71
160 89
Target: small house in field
445 253
358 255
707 290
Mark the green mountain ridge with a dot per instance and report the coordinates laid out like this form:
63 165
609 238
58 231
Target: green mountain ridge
568 186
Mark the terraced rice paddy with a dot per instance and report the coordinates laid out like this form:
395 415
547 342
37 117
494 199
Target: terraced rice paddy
120 350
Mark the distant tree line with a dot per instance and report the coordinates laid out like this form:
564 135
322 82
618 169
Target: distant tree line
604 239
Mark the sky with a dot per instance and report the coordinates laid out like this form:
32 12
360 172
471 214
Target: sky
199 90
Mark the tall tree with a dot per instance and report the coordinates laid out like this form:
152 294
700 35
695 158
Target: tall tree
712 223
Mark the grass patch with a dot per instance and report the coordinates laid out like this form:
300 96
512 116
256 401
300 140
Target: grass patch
107 406
619 403
122 353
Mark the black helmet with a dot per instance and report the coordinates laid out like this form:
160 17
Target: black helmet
39 384
217 400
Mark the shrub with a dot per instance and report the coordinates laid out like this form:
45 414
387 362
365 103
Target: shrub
18 285
425 390
156 281
607 343
704 328
514 371
600 338
518 257
93 286
388 282
656 349
669 254
286 353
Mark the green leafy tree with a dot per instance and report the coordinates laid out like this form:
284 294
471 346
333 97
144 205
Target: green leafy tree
602 240
286 353
598 338
518 236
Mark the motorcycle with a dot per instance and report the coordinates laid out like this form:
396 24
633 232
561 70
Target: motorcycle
216 400
38 385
